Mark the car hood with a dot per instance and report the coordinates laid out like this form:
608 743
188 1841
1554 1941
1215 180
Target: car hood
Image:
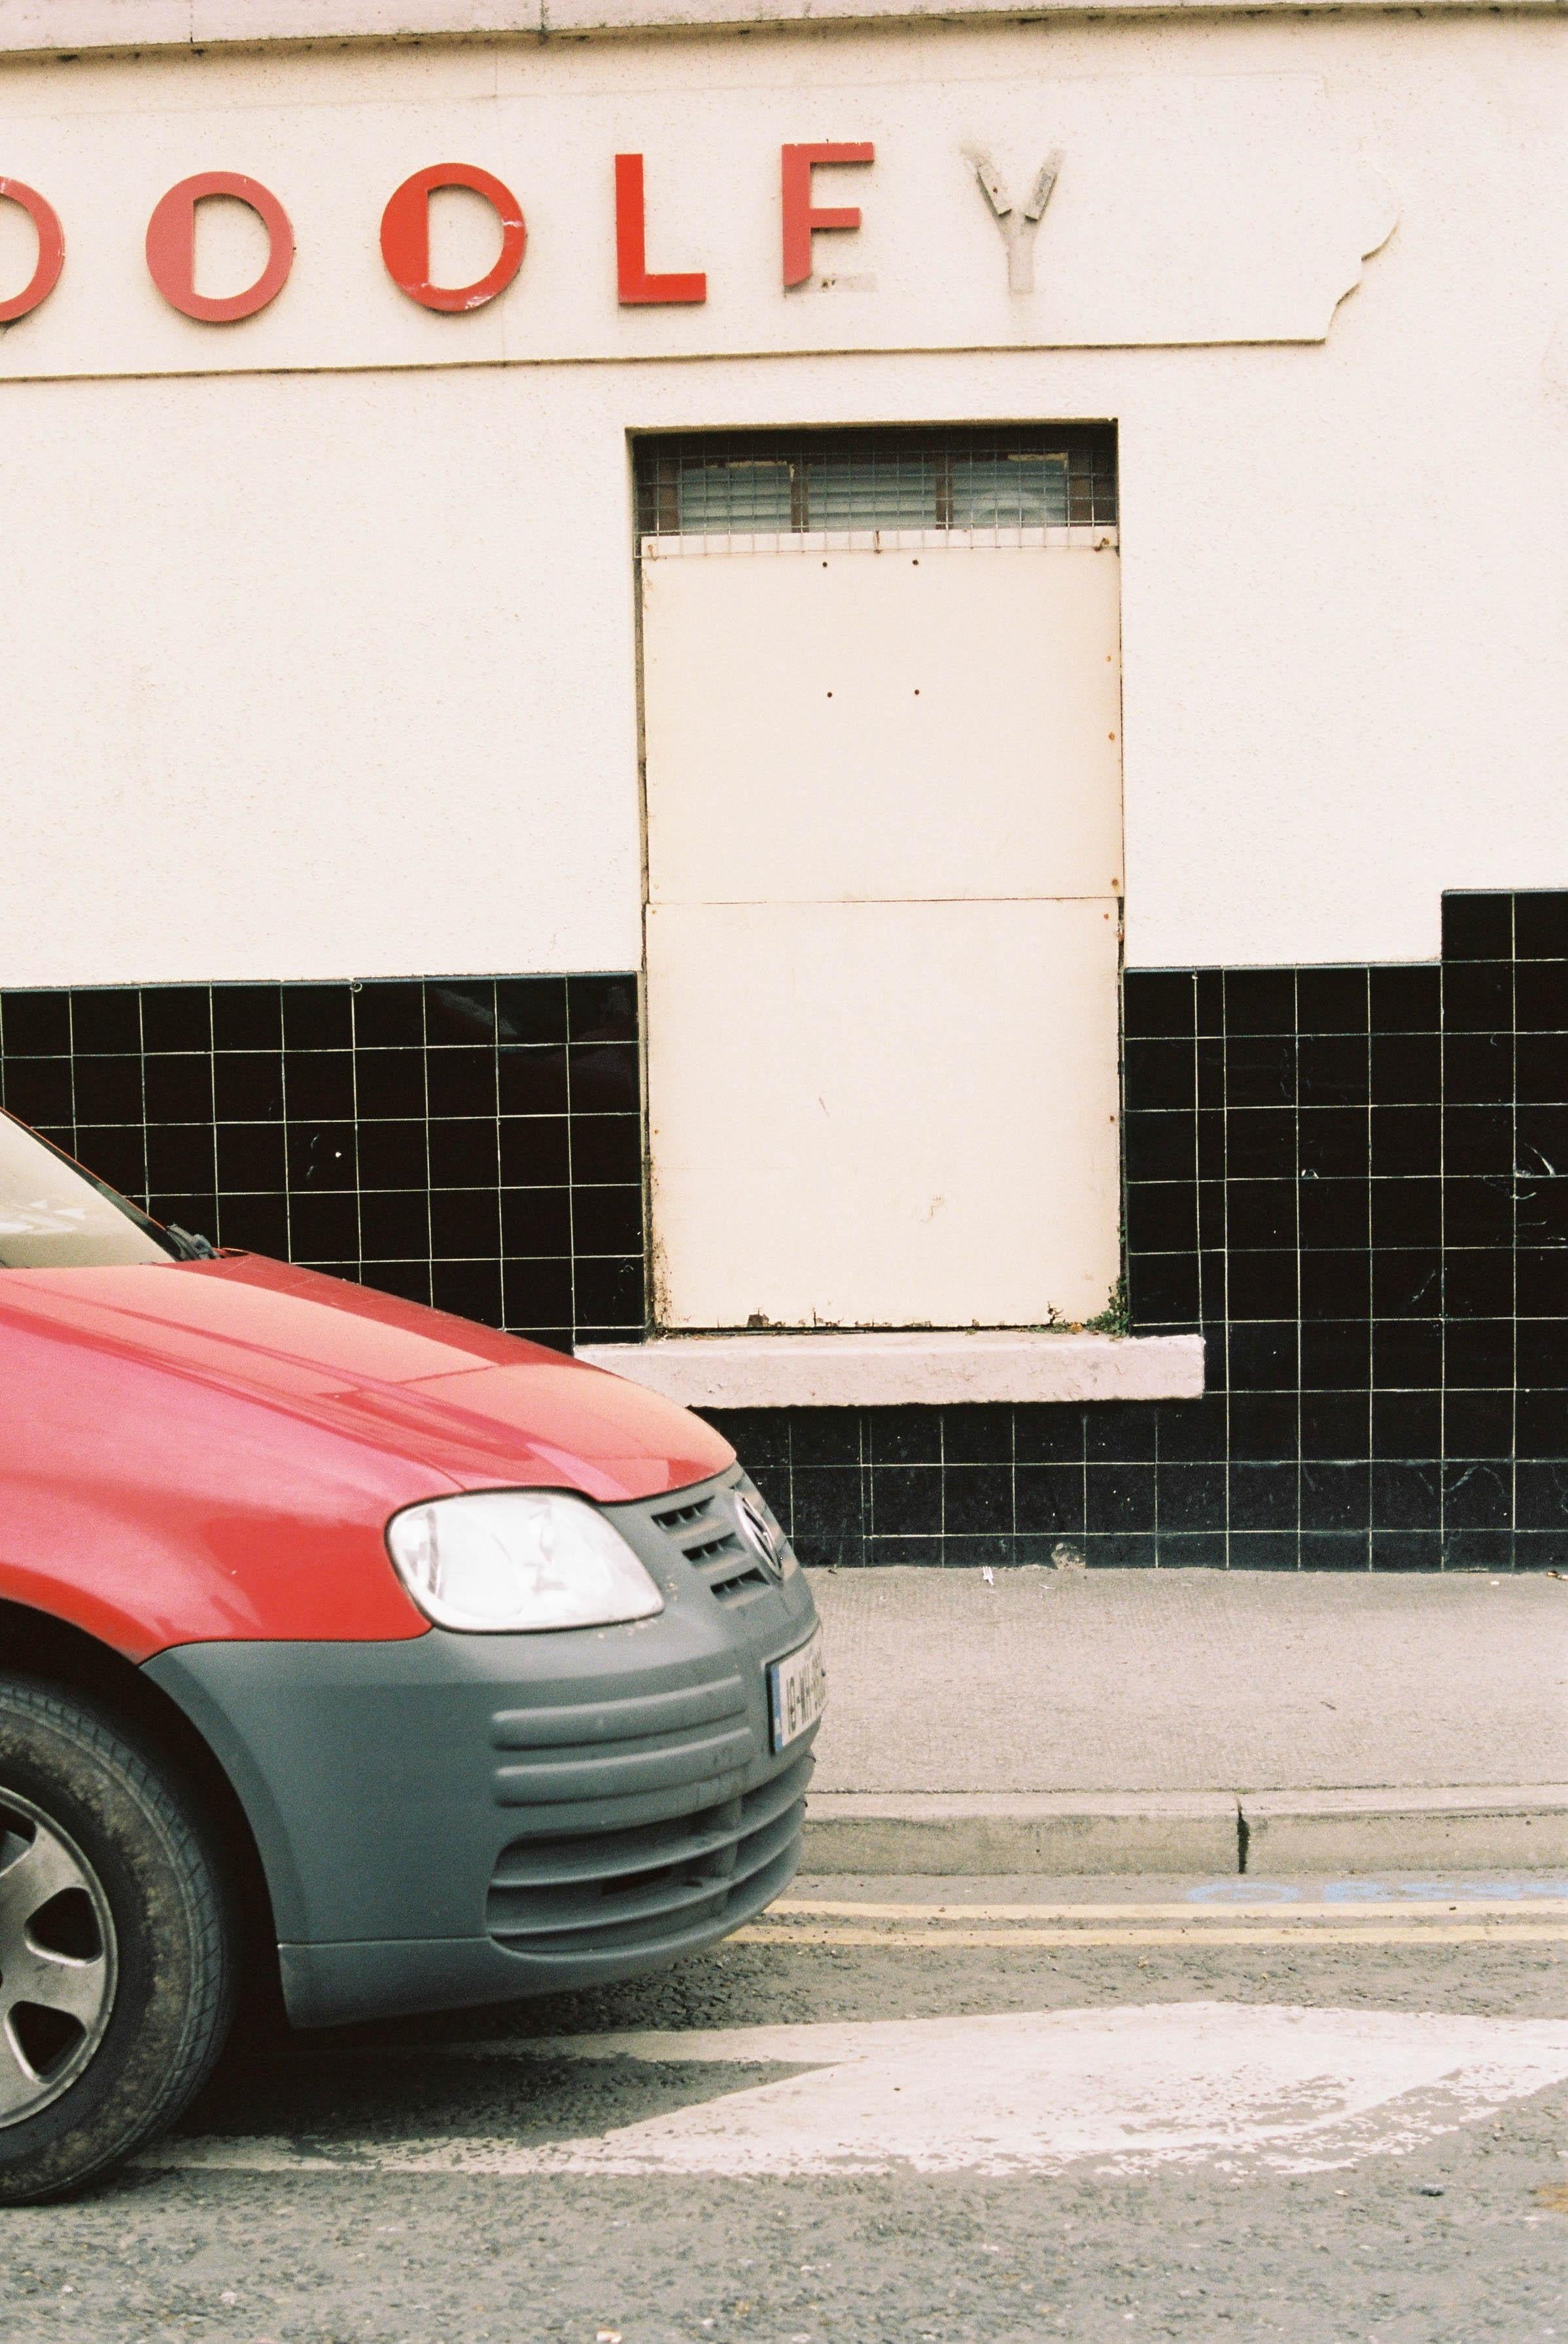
480 1408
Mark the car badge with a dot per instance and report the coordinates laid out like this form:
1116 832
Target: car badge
762 1535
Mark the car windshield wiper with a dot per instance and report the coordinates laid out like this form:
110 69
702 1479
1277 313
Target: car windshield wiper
188 1246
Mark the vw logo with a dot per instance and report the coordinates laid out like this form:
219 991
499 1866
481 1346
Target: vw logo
760 1533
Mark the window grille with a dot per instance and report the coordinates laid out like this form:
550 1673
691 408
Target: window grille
991 480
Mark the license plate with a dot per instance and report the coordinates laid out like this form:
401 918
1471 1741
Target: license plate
798 1692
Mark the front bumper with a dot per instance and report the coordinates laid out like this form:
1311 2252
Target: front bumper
457 1819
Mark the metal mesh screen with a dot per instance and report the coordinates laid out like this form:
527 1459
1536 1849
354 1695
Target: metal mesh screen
985 480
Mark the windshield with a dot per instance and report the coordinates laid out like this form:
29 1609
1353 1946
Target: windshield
54 1216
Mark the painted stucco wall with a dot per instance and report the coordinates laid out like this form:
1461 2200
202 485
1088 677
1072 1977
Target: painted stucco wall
324 664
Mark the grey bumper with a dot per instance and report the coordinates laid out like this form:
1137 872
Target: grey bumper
458 1819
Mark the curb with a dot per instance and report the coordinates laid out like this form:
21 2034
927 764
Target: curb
1241 1832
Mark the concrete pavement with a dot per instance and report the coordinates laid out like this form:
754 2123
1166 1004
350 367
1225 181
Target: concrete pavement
1138 1721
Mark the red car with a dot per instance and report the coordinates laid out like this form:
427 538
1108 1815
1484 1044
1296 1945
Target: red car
451 1668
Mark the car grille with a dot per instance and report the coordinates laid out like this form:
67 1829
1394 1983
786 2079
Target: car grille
705 1531
654 1886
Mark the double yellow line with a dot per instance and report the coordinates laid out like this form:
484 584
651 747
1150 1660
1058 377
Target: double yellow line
1377 1921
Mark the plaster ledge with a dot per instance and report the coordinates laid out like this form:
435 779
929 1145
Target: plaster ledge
887 1371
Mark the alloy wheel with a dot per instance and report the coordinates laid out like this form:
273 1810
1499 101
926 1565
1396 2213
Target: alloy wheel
57 1960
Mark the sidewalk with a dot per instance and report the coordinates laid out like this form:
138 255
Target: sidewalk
1128 1721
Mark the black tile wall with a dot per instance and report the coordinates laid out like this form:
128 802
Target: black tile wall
474 1142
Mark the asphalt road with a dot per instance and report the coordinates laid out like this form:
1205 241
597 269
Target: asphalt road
1045 2109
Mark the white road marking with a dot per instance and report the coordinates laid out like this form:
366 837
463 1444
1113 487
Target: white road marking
1239 2087
1342 1910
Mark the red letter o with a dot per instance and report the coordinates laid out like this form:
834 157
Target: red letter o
171 247
51 250
406 237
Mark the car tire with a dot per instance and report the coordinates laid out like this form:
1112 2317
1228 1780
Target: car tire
116 1962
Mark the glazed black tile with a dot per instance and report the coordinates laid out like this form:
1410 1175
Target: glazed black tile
1407 1069
1212 1221
1540 997
1162 1217
1335 1214
562 1339
601 1008
1264 1498
1119 1551
1211 1140
1405 1142
1479 1353
537 1220
1192 1498
1478 1068
532 1078
461 1011
981 1434
827 1435
464 1153
1479 1139
1542 1283
1478 997
907 1500
106 1020
976 1498
1542 1067
1160 1074
35 1025
1265 1428
1477 1423
904 1436
610 1290
246 1017
117 1153
1335 1070
1161 1146
1407 1424
108 1090
531 1009
197 1213
410 1280
250 1156
468 1290
389 1014
1213 1094
1541 1352
1540 925
1467 1549
176 1017
1260 1001
1162 1290
1477 1496
1260 1143
1044 1433
606 1148
1210 1001
1336 1355
1192 1550
1120 1432
1406 1000
1478 1212
1263 1285
323 1225
1333 1142
247 1086
178 1088
1478 1282
1332 1001
1335 1425
395 1224
461 1082
1264 1358
1540 1212
608 1221
1157 1001
1335 1551
1260 1071
536 1293
315 1083
1336 1495
1540 1139
1477 927
1541 1494
1407 1282
322 1156
969 1551
1260 1213
394 1155
1265 1549
1049 1498
1119 1497
465 1223
38 1091
390 1084
1337 1283
60 1136
315 1017
1541 1550
1407 1550
255 1224
535 1152
1211 1286
761 1436
180 1159
1407 1353
1407 1213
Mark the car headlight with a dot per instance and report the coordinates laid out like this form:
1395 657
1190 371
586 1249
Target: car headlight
503 1561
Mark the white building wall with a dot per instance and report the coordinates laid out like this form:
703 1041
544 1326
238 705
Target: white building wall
330 669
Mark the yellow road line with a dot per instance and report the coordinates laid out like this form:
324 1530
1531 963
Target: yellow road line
1375 1934
823 1908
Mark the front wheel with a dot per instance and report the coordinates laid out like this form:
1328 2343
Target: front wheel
115 1959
